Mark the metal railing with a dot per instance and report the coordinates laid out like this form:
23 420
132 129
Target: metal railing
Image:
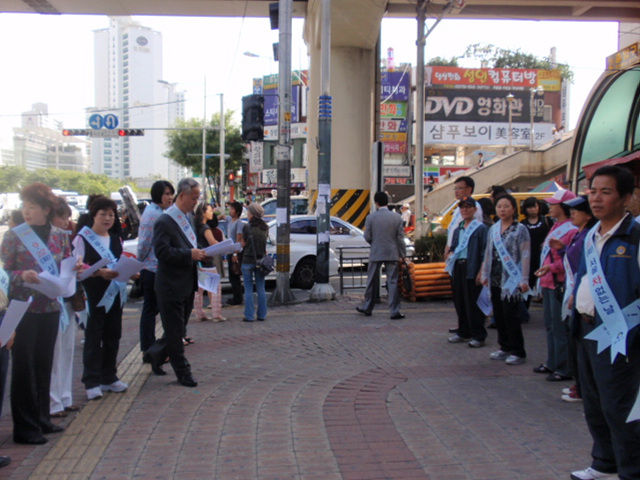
355 266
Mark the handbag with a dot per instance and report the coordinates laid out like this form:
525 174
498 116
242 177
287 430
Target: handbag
265 264
236 268
78 299
407 284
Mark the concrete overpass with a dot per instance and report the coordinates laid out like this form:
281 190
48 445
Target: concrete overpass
355 32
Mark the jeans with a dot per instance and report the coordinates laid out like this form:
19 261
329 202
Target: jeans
557 340
248 274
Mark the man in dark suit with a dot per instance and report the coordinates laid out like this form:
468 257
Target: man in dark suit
383 230
174 243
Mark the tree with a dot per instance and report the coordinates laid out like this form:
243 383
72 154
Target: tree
185 146
443 62
496 57
12 179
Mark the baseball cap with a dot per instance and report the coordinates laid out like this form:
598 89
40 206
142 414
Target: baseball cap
580 203
470 201
561 196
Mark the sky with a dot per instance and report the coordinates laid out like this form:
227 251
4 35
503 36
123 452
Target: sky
48 58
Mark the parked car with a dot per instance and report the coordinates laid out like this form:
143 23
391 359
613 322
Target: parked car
342 234
299 205
302 259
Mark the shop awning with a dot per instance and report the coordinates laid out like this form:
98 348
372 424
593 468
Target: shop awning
589 170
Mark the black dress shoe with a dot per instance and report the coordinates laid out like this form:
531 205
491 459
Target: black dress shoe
30 440
4 461
157 369
187 380
453 330
244 319
53 429
397 316
363 311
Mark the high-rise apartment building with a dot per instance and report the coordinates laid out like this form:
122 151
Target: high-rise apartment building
129 85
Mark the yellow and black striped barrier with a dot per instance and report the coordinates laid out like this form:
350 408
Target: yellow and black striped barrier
350 205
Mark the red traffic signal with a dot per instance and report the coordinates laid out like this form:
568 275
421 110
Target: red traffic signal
131 132
74 132
232 177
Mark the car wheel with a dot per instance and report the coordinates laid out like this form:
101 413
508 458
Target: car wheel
304 276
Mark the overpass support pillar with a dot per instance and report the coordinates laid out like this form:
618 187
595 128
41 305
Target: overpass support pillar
355 26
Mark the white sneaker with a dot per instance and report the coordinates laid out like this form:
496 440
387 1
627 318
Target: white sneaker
498 355
571 398
118 387
566 391
514 360
455 338
94 393
591 474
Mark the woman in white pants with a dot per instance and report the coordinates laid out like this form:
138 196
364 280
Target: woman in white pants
60 393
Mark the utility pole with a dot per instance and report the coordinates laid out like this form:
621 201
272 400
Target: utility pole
222 139
282 295
322 289
419 165
204 145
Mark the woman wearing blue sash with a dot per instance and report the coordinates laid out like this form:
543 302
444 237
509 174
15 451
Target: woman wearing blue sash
468 246
106 299
27 250
552 277
506 271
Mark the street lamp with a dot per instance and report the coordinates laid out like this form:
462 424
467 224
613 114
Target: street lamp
533 91
510 99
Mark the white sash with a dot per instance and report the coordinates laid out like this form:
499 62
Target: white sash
114 287
183 222
40 252
508 263
464 241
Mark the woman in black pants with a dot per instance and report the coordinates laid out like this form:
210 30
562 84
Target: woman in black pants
106 298
27 250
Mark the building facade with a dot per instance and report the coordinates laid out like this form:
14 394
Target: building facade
39 143
129 85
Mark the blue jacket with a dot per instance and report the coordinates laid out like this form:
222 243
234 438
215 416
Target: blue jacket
475 248
619 260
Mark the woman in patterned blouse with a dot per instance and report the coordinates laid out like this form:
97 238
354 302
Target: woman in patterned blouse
36 334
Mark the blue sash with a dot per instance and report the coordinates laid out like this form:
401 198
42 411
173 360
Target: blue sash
114 287
515 273
183 222
616 322
570 283
557 234
4 282
455 220
40 252
464 241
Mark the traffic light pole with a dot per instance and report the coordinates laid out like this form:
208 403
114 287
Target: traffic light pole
282 295
322 289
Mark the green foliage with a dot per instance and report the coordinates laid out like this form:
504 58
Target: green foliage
496 57
443 62
12 179
431 248
185 146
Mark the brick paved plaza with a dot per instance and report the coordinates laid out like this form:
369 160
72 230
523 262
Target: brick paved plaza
319 392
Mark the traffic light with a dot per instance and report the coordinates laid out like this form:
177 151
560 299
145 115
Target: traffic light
231 177
252 118
74 132
131 132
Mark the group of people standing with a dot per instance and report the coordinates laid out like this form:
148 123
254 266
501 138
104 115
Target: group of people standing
583 260
171 246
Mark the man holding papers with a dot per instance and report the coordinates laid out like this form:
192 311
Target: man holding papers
27 250
106 296
175 246
607 295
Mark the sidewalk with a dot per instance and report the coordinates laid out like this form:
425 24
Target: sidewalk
320 392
